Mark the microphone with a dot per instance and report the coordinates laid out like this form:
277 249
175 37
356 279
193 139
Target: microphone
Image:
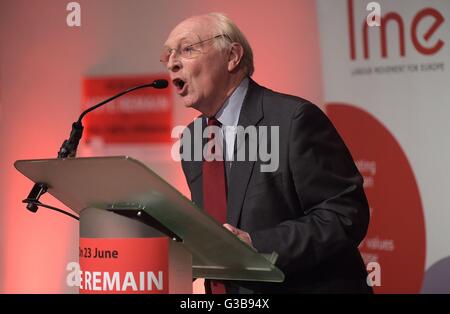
69 146
160 84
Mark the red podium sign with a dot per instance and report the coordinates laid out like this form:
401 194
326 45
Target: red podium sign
129 265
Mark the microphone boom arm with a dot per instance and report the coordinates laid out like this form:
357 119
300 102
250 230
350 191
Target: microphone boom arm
69 146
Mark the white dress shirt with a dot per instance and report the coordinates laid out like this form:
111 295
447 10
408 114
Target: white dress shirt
228 116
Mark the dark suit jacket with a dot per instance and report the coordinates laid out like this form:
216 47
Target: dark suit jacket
312 210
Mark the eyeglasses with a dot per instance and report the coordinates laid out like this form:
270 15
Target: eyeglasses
185 51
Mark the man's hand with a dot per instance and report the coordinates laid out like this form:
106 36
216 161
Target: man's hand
244 236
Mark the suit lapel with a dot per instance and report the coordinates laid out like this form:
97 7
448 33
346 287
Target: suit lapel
195 165
251 114
197 135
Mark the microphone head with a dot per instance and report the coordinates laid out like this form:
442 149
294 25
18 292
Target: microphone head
160 84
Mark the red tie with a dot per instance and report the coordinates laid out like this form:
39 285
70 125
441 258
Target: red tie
214 185
215 190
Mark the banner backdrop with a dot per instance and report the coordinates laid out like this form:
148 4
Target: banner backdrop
143 116
386 89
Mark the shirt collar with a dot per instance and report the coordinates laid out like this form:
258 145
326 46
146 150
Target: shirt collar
228 115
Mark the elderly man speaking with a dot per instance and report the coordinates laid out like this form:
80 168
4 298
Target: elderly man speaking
311 209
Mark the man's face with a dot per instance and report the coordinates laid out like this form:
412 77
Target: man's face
201 78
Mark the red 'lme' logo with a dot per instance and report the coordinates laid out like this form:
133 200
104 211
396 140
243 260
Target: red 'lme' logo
438 19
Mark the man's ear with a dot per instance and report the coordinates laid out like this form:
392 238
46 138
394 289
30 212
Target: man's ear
235 56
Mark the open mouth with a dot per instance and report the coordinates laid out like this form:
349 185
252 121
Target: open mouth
179 84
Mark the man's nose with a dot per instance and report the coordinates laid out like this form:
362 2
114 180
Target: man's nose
174 63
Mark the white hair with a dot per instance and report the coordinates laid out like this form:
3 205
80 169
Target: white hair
229 30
